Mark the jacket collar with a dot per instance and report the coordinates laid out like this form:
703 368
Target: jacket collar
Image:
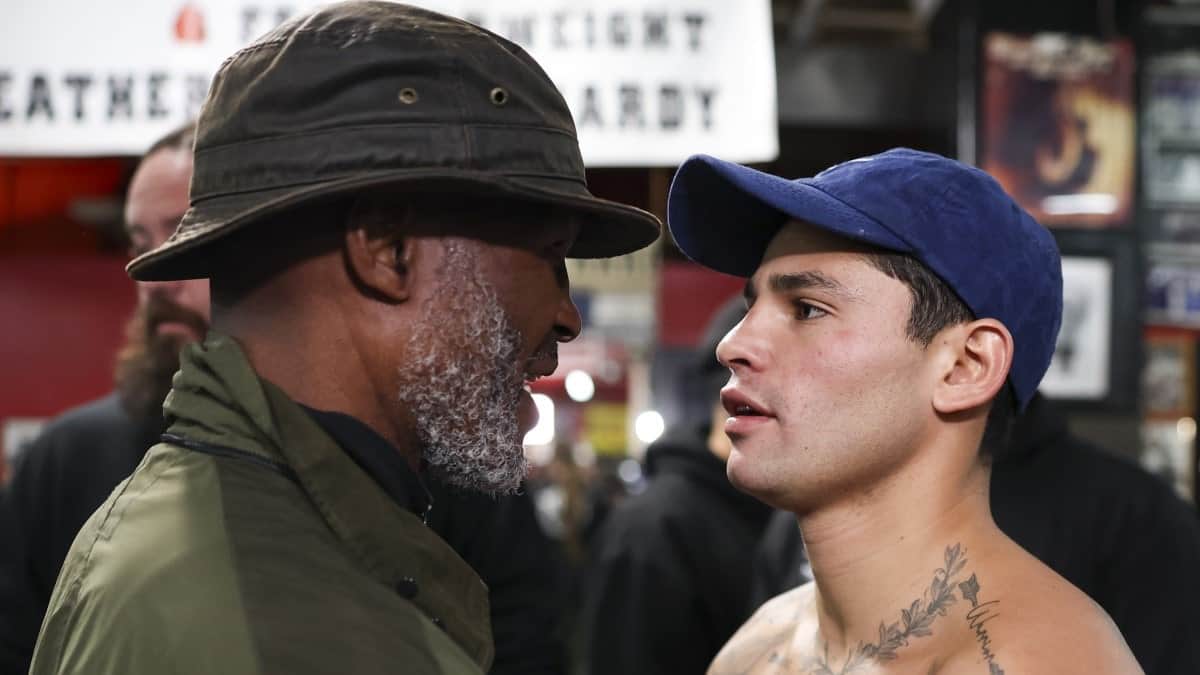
380 459
217 398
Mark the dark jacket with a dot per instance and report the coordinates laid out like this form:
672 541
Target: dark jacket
1116 532
250 543
81 456
58 481
667 580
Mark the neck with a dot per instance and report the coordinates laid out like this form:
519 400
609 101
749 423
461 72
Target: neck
301 339
875 555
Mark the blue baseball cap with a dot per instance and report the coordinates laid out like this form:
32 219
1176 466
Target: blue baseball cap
953 218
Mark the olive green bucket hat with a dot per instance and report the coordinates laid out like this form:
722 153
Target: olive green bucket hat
360 95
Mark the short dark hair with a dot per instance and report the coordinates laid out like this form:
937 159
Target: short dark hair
182 138
935 307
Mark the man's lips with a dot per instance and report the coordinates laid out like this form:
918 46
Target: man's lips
180 328
527 412
542 365
745 413
739 404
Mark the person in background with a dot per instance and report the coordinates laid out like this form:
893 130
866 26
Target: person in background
665 587
1099 520
81 455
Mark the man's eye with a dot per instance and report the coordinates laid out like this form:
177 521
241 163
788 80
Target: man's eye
806 311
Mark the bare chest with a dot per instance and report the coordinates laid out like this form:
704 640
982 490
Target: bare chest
789 657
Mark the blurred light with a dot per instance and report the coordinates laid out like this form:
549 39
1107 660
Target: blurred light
580 386
543 432
630 471
648 426
538 455
584 454
1186 428
1068 205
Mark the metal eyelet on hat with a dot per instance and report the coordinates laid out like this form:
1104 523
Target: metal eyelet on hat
408 96
407 587
499 96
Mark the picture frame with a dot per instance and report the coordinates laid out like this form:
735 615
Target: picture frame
1098 356
1169 374
1169 452
1056 126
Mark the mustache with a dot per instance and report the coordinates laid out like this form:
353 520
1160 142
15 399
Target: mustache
160 310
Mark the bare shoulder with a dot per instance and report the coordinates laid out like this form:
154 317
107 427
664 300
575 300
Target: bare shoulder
767 632
1033 621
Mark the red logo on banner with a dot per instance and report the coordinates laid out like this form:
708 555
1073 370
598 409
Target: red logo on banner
189 25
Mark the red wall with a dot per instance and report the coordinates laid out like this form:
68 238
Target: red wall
64 296
688 296
63 321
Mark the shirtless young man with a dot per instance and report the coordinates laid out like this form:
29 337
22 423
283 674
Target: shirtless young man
898 305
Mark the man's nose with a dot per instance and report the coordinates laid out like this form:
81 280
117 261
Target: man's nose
568 322
737 348
169 289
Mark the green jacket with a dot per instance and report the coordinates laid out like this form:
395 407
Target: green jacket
261 549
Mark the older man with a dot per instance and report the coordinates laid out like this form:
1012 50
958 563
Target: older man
383 200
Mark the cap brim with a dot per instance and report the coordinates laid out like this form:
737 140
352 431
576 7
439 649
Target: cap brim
607 228
724 215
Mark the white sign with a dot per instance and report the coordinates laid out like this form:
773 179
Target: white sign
649 82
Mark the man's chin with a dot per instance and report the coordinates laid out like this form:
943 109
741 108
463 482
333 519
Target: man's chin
527 413
478 480
750 477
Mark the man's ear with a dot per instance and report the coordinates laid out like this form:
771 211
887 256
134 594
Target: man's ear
982 355
381 266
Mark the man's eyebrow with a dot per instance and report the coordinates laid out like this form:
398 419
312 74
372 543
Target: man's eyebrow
783 283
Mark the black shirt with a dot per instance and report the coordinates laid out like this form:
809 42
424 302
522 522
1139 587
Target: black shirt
380 459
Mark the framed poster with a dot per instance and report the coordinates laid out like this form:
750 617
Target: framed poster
1173 293
1171 131
1169 376
1057 126
1168 450
1080 368
1097 354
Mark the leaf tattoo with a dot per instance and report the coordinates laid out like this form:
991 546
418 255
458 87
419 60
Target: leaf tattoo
970 590
915 620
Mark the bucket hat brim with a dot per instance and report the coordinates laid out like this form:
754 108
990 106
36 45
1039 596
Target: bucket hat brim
607 228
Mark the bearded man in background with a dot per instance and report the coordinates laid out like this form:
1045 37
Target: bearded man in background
81 455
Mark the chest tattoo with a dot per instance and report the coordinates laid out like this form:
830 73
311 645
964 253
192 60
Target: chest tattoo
917 621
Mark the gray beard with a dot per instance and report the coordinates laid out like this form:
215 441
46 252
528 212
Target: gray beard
463 383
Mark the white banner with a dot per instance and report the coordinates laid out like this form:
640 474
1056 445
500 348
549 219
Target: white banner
649 81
